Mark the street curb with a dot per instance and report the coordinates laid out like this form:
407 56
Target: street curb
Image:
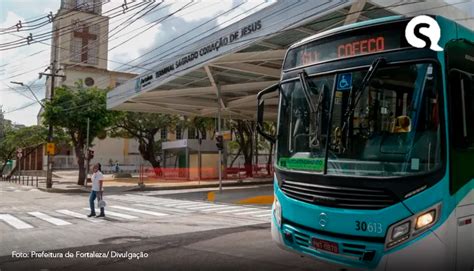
57 190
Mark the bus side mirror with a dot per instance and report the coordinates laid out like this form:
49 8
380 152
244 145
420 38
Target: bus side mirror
260 112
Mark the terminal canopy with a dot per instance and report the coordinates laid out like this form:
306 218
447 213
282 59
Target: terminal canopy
229 67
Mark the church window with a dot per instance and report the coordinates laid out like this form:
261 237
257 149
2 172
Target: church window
89 81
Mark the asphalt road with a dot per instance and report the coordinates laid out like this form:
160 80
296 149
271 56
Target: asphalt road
173 231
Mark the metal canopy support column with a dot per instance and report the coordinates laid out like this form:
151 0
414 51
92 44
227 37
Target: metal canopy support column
220 104
355 12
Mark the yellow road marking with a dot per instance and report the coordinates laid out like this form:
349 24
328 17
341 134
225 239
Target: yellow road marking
257 200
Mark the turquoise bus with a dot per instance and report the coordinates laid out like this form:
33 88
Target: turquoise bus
374 147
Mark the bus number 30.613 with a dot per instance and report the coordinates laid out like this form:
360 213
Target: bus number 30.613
368 226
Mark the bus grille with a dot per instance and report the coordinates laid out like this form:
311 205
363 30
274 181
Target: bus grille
337 196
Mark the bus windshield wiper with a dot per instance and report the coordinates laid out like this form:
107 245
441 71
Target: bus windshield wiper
360 90
315 110
305 87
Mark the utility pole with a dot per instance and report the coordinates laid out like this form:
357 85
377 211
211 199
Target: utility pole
87 153
219 133
52 75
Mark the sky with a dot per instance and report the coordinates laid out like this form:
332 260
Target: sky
24 63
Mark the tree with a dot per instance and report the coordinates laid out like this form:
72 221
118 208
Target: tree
202 125
144 127
3 125
27 138
270 127
244 132
70 109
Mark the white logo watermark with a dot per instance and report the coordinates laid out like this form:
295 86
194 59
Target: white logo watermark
421 29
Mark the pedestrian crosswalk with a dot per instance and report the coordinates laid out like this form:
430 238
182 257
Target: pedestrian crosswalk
131 207
15 222
50 219
195 206
78 215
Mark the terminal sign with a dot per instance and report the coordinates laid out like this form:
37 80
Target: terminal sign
191 57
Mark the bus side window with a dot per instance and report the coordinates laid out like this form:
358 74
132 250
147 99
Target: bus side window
462 128
462 136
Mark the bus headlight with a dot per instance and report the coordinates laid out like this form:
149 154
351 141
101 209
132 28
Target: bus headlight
425 219
411 227
277 211
401 230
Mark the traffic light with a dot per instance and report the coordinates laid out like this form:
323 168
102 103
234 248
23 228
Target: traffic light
90 154
220 142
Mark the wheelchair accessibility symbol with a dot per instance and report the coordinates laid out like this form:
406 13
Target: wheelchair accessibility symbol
344 81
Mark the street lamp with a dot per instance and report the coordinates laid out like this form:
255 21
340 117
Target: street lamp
23 85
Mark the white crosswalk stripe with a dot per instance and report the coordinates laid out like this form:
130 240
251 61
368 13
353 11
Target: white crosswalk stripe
172 210
269 214
50 219
203 206
167 205
230 211
15 222
78 215
115 214
138 211
143 199
228 207
253 212
182 205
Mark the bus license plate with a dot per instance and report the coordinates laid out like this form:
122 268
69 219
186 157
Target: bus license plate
325 245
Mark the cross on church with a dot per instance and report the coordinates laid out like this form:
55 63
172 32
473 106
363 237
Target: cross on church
85 36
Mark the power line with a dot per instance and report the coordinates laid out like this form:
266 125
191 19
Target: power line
118 95
40 67
25 72
197 35
163 58
133 7
163 18
20 108
197 28
18 92
64 30
158 46
346 15
19 27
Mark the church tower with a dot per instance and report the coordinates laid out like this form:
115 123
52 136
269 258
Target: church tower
80 44
81 34
79 51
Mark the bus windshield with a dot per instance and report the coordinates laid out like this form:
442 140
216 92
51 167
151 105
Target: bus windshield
389 128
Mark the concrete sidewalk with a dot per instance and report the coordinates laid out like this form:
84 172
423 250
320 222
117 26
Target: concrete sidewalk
69 185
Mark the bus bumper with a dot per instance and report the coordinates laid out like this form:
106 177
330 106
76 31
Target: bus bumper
426 253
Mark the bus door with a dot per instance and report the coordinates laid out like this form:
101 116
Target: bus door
460 71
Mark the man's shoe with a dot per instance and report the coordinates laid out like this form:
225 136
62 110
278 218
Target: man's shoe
101 215
90 215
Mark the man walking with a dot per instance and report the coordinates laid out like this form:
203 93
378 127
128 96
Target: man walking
97 190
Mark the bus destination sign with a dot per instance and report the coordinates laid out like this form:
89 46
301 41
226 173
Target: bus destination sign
344 46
